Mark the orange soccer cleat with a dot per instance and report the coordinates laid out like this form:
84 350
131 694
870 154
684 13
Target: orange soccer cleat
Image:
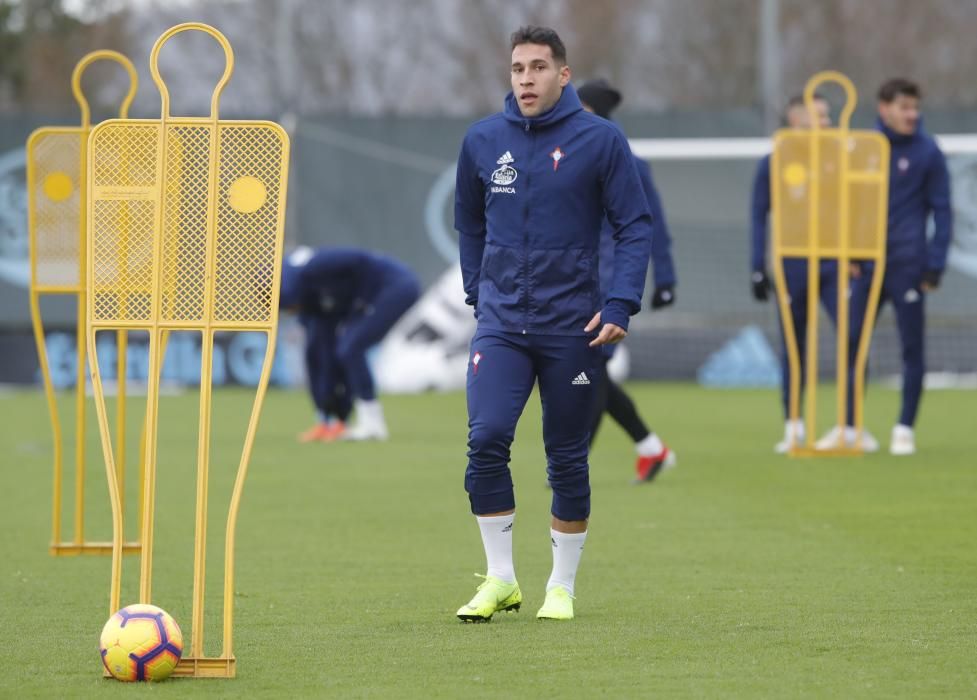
323 432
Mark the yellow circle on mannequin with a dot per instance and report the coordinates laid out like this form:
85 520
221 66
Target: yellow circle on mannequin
58 186
795 175
247 194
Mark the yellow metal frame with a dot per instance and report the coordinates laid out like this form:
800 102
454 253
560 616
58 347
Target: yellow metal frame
204 202
813 249
56 214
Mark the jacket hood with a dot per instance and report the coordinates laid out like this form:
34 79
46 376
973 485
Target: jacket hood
569 103
292 266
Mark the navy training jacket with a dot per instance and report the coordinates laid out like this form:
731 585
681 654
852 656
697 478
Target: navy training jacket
530 199
919 184
337 281
662 266
759 212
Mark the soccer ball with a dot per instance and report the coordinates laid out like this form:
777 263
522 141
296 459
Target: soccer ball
141 643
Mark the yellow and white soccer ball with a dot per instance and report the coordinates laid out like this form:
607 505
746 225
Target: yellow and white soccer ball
141 643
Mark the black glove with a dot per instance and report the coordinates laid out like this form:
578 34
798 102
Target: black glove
761 285
931 279
663 296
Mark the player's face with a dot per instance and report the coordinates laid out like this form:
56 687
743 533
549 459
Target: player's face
537 79
799 118
901 115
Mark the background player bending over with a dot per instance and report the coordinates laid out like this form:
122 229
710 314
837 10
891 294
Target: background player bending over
347 300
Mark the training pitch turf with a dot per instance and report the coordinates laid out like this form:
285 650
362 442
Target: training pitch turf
740 573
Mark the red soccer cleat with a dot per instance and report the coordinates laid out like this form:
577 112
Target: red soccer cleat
647 468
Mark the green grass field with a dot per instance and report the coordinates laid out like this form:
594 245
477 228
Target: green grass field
738 574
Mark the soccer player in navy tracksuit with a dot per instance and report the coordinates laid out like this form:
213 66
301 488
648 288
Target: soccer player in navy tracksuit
534 184
919 185
347 300
795 276
599 97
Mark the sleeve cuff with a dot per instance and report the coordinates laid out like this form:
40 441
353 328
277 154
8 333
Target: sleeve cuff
664 278
615 312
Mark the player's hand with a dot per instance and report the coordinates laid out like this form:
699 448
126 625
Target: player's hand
931 280
609 333
761 285
855 270
663 296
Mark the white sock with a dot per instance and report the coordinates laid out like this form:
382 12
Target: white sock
567 548
650 446
369 413
497 540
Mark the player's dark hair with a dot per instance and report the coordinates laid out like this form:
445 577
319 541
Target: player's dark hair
892 88
798 101
531 34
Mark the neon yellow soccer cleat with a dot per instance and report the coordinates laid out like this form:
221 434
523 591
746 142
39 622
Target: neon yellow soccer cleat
557 606
494 595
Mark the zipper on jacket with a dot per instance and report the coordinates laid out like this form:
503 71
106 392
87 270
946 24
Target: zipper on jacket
525 234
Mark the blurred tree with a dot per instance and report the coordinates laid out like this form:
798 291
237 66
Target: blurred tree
12 73
448 57
42 42
931 42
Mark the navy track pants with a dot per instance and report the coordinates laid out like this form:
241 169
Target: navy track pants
901 287
502 369
795 273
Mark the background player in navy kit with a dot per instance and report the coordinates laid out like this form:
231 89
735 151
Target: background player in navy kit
795 273
601 98
534 184
919 185
347 300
